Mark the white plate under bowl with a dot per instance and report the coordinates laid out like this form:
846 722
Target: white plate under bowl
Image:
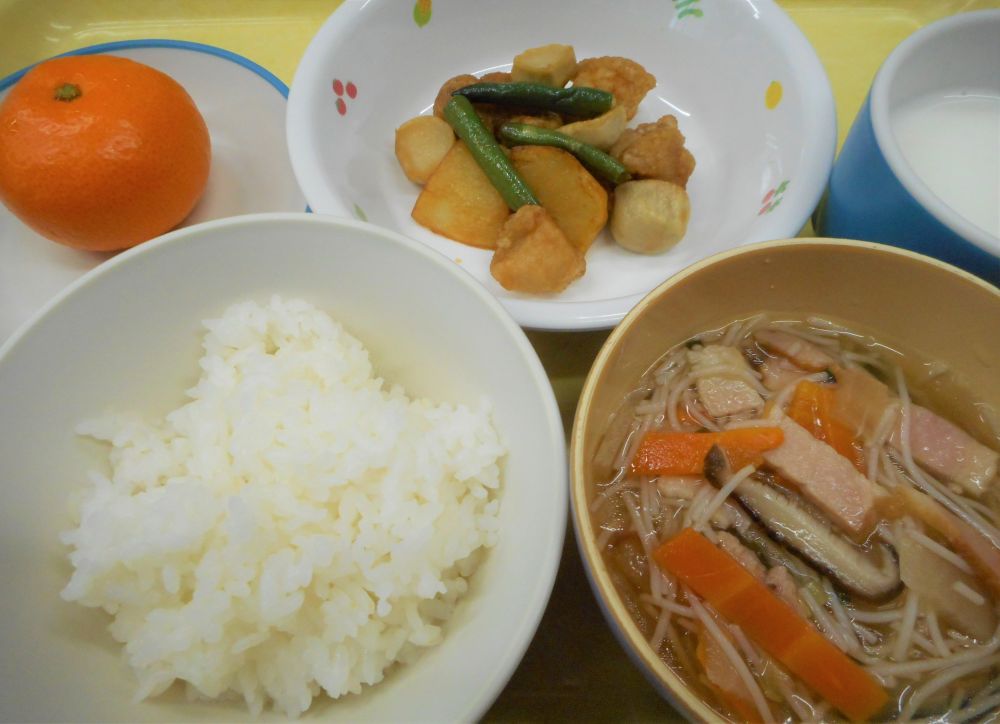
244 107
761 164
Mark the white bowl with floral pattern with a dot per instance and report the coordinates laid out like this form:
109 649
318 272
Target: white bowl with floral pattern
748 91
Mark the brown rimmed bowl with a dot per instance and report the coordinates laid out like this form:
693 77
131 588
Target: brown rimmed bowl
911 302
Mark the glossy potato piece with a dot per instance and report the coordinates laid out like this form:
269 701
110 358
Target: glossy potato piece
551 65
573 198
655 150
534 256
625 79
601 132
459 201
421 145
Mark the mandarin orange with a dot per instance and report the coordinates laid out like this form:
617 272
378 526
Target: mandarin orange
101 152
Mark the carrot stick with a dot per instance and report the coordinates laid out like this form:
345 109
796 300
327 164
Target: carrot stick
812 407
683 453
771 623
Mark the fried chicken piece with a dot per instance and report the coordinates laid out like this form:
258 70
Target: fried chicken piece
655 150
625 79
451 85
533 255
497 76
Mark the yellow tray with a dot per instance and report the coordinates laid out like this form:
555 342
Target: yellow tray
574 669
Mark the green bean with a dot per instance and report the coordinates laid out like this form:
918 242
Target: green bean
599 163
574 101
488 153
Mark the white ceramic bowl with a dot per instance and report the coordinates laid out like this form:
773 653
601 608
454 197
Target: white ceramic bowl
763 157
126 337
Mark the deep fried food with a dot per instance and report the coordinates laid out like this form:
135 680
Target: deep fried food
421 143
542 119
458 201
655 150
533 255
600 132
574 199
625 79
650 215
451 85
551 65
496 76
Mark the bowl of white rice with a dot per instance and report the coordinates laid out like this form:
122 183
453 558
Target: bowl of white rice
267 467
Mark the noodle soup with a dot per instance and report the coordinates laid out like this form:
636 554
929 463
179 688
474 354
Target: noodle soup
802 531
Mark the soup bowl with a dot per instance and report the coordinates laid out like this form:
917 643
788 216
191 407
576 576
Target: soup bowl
906 301
125 338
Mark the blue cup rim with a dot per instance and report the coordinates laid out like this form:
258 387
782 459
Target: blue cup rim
900 167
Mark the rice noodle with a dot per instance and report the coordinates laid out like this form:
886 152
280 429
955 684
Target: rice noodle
842 639
974 709
815 337
927 483
748 650
780 397
906 626
644 538
962 589
619 481
648 507
690 401
826 326
881 434
750 376
922 642
660 632
727 647
935 547
700 500
939 681
876 616
802 707
741 330
992 515
943 649
673 397
667 605
705 514
957 697
922 666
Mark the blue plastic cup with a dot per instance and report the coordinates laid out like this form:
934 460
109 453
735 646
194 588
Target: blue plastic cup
920 167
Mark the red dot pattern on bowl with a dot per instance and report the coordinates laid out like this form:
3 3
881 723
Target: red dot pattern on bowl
340 89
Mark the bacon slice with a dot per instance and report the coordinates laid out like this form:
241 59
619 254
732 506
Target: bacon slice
721 388
825 478
800 351
948 451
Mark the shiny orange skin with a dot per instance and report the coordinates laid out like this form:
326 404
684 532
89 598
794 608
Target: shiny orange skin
124 161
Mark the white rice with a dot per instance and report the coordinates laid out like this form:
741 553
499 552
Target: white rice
296 528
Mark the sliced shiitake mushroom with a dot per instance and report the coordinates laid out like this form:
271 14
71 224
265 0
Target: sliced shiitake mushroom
871 571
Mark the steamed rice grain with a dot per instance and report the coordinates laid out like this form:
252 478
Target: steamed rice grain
298 527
